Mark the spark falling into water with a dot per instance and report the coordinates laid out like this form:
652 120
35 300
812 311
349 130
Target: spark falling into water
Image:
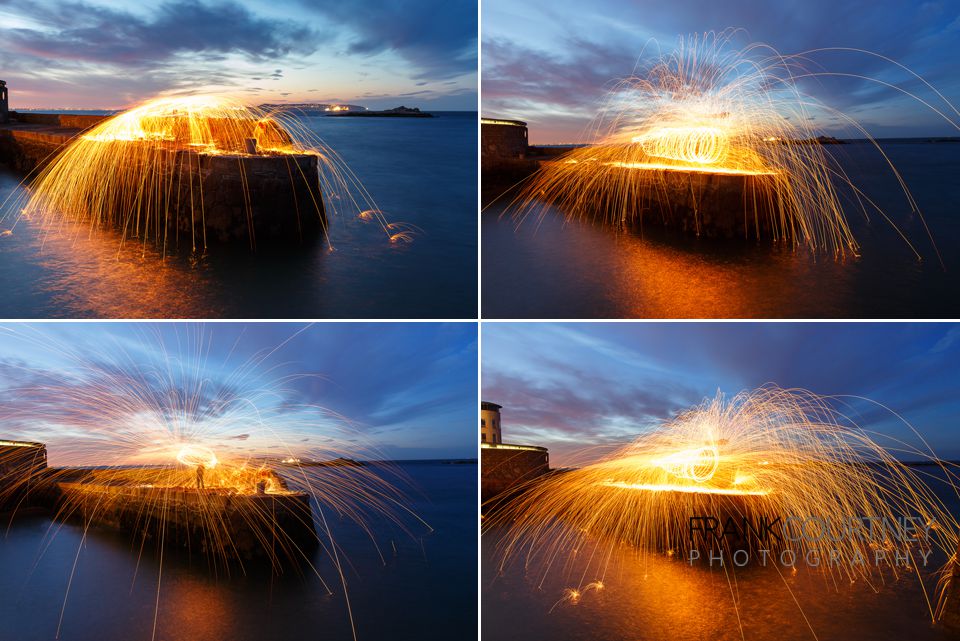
139 172
266 475
707 119
770 452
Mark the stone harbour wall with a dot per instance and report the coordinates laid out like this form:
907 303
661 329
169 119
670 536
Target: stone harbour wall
27 151
502 139
504 469
206 521
67 121
699 203
256 198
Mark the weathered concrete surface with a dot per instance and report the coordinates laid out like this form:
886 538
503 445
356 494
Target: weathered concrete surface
208 199
504 468
27 148
213 522
700 203
503 155
502 139
30 139
255 198
65 121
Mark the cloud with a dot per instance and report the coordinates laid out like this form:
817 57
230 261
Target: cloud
381 385
438 37
77 31
571 82
573 387
558 74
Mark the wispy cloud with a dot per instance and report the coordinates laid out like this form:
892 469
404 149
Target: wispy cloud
550 62
578 386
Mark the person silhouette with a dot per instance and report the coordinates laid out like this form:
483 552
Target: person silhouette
200 471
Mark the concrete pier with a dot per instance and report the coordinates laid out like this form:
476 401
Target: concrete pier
29 140
212 522
157 504
232 198
702 203
210 199
505 467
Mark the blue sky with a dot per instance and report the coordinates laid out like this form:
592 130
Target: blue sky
576 385
549 63
115 53
408 389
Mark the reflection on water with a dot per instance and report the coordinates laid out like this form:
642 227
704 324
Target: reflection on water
71 273
556 269
656 597
426 589
663 598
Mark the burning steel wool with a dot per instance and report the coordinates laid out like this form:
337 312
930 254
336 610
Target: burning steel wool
145 170
236 470
772 474
711 131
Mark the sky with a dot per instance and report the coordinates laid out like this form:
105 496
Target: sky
107 54
403 390
575 386
550 62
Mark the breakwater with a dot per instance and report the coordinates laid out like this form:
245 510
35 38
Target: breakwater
206 197
157 504
702 203
214 522
30 140
505 468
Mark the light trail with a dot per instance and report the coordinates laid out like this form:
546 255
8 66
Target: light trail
141 172
709 108
769 453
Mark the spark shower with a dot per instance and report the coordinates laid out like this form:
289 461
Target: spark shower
738 462
183 447
140 172
707 119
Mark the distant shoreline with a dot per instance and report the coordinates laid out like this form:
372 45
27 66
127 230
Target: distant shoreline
850 141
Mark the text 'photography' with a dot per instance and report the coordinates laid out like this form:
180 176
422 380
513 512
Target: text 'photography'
479 319
718 481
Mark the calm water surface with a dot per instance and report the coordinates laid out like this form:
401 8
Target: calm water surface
426 590
556 269
419 171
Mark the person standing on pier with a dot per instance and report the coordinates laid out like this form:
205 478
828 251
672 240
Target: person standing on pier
200 471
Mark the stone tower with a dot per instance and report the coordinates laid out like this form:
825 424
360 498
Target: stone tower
490 423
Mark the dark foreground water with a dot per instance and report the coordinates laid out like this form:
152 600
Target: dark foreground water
664 599
419 171
583 270
426 590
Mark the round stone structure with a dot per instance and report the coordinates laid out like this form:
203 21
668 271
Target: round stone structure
502 139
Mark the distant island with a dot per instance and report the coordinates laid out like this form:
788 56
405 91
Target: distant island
330 109
337 462
396 112
312 108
